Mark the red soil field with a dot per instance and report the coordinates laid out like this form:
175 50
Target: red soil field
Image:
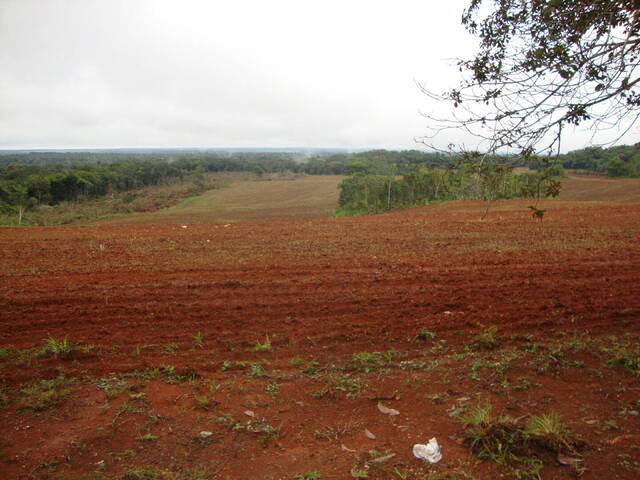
307 323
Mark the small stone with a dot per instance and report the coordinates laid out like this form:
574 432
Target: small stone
205 434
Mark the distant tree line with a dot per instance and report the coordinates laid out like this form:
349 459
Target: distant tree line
30 179
365 192
620 161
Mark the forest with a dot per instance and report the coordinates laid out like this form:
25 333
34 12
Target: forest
378 180
619 161
373 193
34 179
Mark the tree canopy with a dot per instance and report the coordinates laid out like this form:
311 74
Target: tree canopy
543 65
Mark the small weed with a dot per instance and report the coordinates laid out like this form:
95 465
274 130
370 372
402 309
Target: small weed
486 339
627 359
411 365
147 437
439 346
626 461
166 373
58 347
205 402
171 347
424 335
308 368
198 340
359 473
272 389
297 362
263 347
523 383
314 475
256 370
113 386
127 407
266 432
436 398
44 394
369 362
532 347
336 383
335 432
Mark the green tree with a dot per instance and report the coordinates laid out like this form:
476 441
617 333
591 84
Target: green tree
616 167
19 197
543 65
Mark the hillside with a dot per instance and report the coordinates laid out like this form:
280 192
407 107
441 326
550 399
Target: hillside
260 340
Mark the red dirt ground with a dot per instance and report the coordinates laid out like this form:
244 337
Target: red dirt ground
564 294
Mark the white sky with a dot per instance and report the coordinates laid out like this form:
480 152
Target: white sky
234 73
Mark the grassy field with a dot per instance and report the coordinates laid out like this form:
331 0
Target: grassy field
597 189
271 197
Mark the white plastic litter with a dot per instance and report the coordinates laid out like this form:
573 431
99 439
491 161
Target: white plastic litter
429 452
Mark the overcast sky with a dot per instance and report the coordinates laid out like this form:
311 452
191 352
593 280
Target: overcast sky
233 73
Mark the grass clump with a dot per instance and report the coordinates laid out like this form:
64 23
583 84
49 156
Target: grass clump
371 361
335 384
263 347
314 475
490 437
524 447
198 340
59 348
147 437
205 402
487 339
627 359
424 335
113 387
45 394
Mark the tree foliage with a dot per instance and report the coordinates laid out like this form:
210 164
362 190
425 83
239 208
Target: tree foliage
363 193
618 161
36 179
543 65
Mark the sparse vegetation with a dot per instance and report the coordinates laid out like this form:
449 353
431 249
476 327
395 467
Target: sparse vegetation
58 347
506 441
198 340
264 346
487 339
44 394
412 281
314 475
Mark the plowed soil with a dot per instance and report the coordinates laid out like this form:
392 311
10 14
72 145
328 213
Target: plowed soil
280 337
